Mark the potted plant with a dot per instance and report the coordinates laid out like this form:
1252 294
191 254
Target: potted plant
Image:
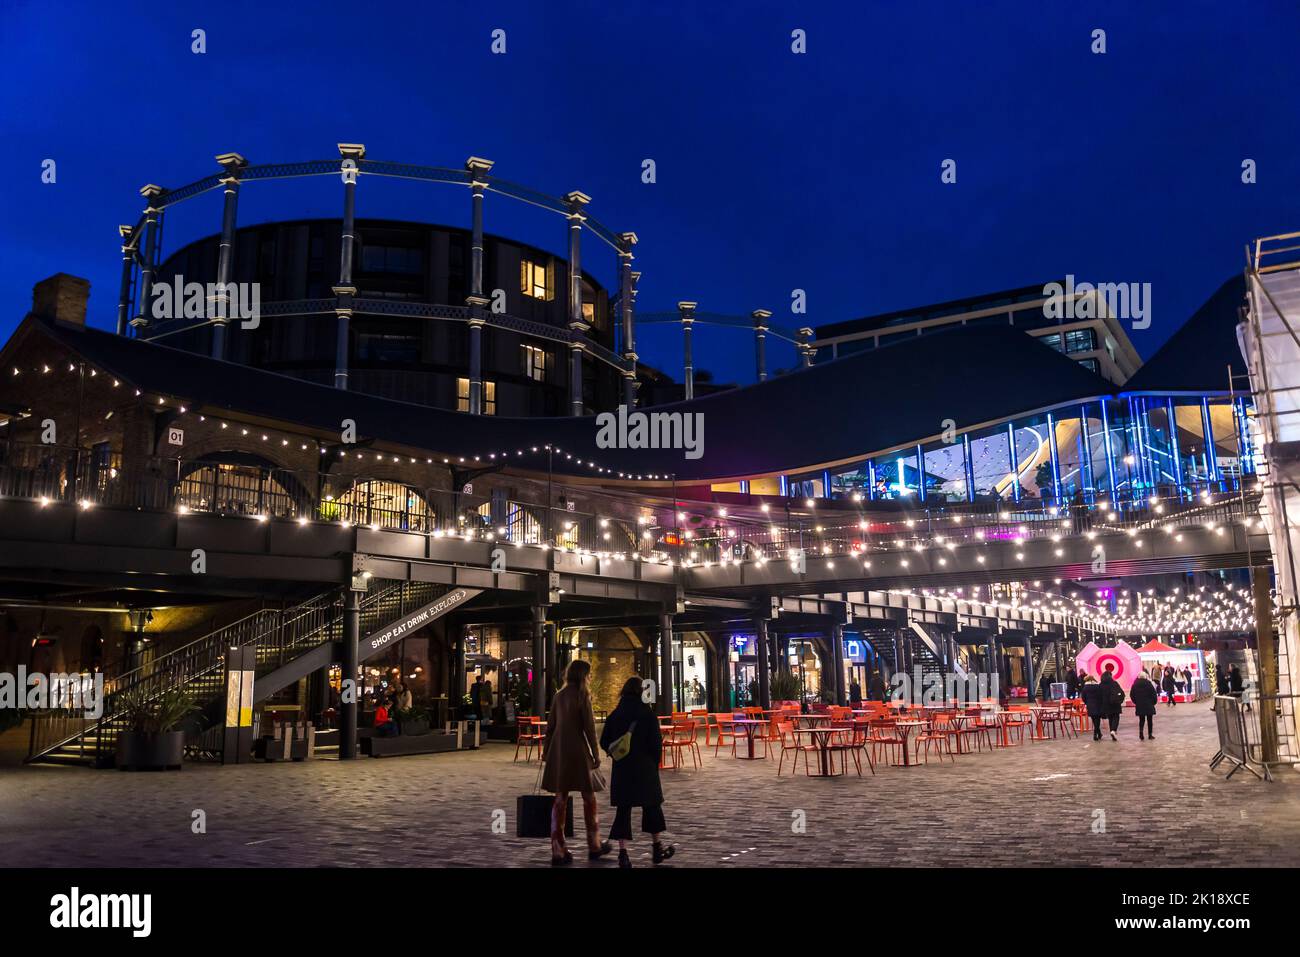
152 739
414 720
783 686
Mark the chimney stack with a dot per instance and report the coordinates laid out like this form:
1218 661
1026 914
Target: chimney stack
61 297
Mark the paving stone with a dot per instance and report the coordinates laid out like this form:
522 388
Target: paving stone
1163 807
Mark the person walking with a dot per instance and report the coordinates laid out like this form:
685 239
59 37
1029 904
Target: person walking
1145 696
1091 692
1235 685
1071 684
1045 687
634 780
476 696
855 693
876 687
1112 700
1187 682
571 754
1221 681
1170 686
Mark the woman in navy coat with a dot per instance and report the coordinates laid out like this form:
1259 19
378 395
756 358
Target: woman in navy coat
634 780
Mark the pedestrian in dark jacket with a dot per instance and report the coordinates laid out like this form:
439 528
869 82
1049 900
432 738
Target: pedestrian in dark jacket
1145 696
1187 682
876 687
1112 700
1092 701
1045 687
1221 681
634 781
1169 686
1071 684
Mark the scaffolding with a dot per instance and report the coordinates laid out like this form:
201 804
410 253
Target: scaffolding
1270 343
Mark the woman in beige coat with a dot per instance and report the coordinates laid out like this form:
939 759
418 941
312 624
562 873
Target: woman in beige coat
571 753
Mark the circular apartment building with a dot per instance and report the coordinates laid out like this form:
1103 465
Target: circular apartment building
438 315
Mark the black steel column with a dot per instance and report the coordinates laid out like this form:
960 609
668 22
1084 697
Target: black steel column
476 323
760 317
351 686
124 290
352 154
577 324
837 656
540 665
665 701
478 170
806 351
1029 667
232 163
629 320
150 193
764 668
687 310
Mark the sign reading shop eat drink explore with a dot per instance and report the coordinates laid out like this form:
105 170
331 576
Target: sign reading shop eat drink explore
423 616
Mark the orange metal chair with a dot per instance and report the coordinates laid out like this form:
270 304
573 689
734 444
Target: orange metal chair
938 733
790 742
527 737
726 727
681 737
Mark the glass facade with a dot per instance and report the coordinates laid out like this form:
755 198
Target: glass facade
1122 449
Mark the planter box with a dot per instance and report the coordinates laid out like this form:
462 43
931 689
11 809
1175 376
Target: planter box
414 727
148 751
433 743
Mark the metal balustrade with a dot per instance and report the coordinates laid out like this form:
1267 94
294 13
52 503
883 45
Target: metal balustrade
197 666
539 514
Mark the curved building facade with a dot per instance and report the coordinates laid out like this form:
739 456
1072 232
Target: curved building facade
441 316
398 346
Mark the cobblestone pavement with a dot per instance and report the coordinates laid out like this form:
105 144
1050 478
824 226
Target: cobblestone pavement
1036 804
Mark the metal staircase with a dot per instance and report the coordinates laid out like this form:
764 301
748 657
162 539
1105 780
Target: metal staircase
280 636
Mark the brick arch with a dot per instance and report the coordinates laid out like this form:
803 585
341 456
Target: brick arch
389 502
273 489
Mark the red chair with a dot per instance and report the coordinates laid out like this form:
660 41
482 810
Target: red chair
726 727
853 743
680 737
885 734
529 733
939 734
790 742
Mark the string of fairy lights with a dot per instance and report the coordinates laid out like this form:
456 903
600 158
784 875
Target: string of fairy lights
872 545
1145 612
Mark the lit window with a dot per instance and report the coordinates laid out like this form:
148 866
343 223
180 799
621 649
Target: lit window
489 397
536 280
589 313
534 362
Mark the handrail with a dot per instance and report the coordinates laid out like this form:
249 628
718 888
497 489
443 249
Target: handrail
184 665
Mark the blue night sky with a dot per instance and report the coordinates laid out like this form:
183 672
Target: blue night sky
776 171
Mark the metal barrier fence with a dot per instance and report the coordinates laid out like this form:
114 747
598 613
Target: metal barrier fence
1241 739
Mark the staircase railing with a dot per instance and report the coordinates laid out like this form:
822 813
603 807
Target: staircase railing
52 729
279 634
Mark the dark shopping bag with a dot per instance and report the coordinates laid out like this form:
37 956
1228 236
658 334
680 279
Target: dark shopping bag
533 814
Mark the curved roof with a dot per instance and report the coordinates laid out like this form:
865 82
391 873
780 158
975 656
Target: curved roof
826 415
1195 359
